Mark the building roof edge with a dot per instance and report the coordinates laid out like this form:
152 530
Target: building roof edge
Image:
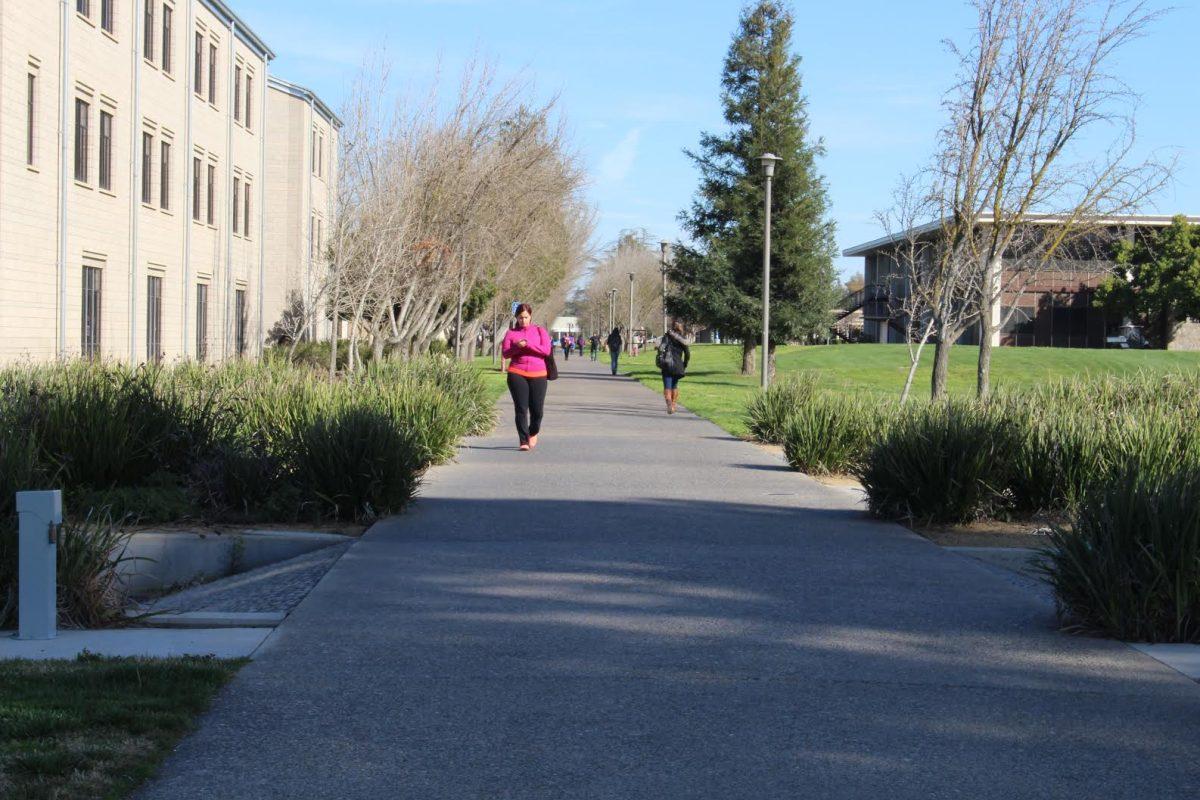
304 93
245 32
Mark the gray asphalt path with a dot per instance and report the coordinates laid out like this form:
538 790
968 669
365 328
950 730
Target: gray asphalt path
645 607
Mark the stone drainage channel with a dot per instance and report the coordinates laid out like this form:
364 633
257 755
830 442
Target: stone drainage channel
248 578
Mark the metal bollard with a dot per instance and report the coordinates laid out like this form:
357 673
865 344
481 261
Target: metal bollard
40 514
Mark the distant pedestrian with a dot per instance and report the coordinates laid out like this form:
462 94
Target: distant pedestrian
566 346
528 346
672 360
594 341
614 343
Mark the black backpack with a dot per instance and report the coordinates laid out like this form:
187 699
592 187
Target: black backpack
667 359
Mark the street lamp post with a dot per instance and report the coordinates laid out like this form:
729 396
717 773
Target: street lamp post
612 309
629 344
768 163
665 246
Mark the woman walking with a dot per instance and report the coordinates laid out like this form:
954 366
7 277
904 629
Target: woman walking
528 346
672 360
566 346
614 343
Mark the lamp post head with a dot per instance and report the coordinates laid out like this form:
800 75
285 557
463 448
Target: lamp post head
768 163
631 277
665 246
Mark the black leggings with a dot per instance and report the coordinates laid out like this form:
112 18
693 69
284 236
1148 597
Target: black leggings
529 397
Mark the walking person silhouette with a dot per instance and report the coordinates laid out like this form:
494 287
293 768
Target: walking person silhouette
672 360
529 346
614 343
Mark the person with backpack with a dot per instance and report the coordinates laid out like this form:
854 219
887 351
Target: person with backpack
594 341
566 346
530 349
672 360
614 343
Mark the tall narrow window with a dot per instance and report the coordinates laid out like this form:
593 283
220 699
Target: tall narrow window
147 168
237 94
321 156
318 238
84 7
212 194
212 73
90 334
154 319
196 178
81 140
31 120
237 185
106 150
246 209
202 322
249 98
164 177
198 67
107 16
148 32
240 321
314 151
312 236
167 15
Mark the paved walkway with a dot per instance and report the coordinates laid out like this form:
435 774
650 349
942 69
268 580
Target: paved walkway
645 607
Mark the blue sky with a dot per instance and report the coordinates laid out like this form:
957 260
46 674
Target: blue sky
639 81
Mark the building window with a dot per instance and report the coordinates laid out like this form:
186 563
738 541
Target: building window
249 96
237 94
321 156
147 168
318 253
240 321
212 74
198 67
212 194
196 175
106 150
314 151
81 140
237 185
246 210
164 177
84 7
168 13
148 32
31 120
90 339
154 319
312 236
108 15
202 322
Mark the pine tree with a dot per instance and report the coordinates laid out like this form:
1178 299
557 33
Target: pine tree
719 280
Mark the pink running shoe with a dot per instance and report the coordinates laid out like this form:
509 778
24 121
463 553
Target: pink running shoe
533 441
523 447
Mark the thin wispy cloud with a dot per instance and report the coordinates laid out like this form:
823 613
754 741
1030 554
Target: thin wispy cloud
617 163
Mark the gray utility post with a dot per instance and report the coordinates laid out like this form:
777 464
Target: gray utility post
462 281
40 515
495 324
665 246
768 162
612 309
629 343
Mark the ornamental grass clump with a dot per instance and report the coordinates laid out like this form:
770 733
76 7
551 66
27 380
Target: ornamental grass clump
944 463
1128 565
829 434
769 413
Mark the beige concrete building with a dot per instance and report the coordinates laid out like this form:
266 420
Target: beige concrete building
302 146
133 181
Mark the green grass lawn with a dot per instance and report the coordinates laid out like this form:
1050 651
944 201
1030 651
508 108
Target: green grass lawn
97 727
497 381
714 389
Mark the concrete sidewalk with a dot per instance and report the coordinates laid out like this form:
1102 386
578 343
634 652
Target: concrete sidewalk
645 607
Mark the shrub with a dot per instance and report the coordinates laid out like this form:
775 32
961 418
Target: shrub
831 434
944 463
360 462
770 412
90 594
1129 565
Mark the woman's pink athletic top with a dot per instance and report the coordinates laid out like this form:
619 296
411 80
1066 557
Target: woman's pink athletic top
529 360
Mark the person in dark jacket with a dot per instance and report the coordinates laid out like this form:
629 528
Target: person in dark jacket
614 343
672 359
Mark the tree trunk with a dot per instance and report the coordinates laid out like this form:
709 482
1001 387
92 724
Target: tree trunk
941 367
377 348
916 361
983 372
748 351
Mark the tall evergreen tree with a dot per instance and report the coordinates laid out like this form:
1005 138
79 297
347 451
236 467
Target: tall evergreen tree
719 280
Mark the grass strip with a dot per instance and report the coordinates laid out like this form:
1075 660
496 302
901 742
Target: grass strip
97 727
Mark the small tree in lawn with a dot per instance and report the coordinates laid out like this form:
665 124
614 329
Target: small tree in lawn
718 281
1158 280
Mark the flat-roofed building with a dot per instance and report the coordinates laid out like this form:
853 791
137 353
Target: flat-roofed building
1054 308
302 147
133 181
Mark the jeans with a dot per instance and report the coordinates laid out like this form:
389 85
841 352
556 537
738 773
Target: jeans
614 355
594 351
529 398
671 381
